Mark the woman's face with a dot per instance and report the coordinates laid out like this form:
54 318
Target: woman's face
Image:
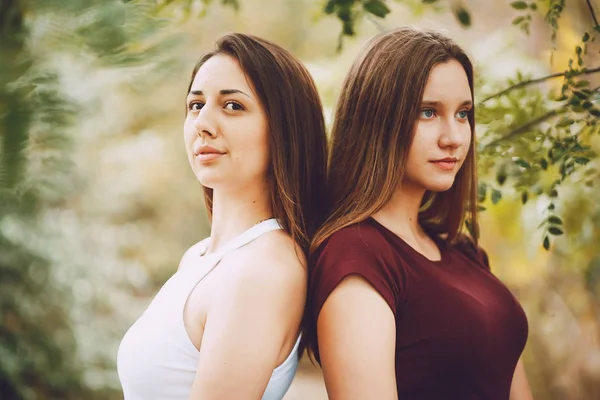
442 133
225 130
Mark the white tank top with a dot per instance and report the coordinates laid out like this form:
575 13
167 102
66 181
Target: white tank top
157 359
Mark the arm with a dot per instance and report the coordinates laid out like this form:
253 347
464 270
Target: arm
519 390
245 330
357 339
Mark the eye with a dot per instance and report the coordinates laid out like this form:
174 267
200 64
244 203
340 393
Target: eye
234 106
463 114
195 106
427 113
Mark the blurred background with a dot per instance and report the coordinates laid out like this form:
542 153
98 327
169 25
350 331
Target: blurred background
98 204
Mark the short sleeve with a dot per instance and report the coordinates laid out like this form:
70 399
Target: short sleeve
356 250
352 252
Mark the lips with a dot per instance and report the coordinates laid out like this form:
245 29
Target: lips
206 150
446 164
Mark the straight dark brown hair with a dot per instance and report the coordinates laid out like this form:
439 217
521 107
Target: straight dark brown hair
297 138
373 130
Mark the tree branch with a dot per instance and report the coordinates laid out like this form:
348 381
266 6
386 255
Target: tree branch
589 3
526 126
537 80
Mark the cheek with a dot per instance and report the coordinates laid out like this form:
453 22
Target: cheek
252 150
421 145
467 138
262 156
261 145
189 132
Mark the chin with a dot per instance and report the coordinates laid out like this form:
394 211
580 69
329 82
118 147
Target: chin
208 179
439 187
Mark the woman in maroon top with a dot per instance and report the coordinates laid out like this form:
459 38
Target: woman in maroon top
401 303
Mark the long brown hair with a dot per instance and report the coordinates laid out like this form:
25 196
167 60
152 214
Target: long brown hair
297 138
373 130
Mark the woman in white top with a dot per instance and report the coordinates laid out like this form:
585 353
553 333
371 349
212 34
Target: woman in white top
227 324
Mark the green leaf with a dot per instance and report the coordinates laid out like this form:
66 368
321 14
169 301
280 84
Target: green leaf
586 37
563 123
463 16
522 163
377 8
234 3
501 176
554 230
581 94
533 6
518 20
524 197
429 1
348 28
329 7
582 160
553 193
496 196
544 164
582 83
574 101
551 206
519 5
595 112
546 243
555 220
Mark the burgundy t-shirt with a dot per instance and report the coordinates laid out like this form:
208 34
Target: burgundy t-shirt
459 330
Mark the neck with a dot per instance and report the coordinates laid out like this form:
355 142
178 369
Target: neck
401 213
235 211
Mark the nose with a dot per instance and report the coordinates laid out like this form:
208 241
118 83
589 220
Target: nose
205 123
454 133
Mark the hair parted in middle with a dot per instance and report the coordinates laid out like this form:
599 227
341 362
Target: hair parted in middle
378 106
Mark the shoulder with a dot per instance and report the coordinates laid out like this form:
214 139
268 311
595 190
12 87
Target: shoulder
193 252
360 239
360 250
273 263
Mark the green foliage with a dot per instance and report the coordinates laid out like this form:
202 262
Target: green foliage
350 11
553 15
537 146
463 16
548 138
38 349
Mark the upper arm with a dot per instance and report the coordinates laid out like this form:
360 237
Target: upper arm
357 339
519 389
245 331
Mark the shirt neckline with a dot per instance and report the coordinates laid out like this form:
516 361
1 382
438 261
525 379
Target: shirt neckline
440 243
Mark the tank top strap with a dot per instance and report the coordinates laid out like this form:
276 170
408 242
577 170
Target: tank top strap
188 277
248 236
195 274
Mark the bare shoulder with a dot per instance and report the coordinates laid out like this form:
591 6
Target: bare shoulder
272 261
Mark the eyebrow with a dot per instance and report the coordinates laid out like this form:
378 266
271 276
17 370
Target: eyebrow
438 103
222 92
